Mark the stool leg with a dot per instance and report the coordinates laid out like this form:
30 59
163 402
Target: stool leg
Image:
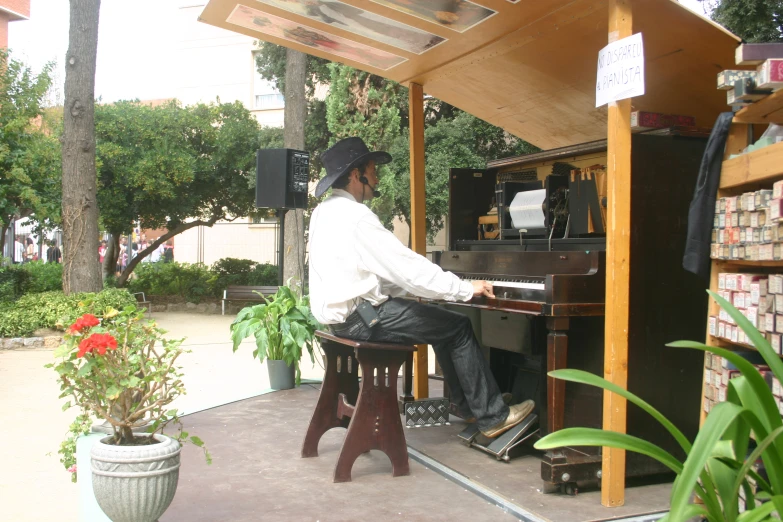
376 421
407 382
335 382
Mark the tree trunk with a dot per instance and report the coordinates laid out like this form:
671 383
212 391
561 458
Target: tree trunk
81 270
111 255
293 137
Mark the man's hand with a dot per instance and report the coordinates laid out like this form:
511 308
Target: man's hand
483 288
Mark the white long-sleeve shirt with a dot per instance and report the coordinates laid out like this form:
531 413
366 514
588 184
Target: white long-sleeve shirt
353 257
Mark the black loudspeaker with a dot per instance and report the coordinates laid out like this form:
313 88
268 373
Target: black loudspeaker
281 178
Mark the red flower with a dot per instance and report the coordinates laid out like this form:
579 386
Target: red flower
85 321
98 342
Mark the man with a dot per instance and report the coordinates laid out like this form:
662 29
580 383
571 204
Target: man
168 253
53 254
19 250
157 254
355 260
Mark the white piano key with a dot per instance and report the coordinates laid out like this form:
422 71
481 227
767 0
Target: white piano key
514 284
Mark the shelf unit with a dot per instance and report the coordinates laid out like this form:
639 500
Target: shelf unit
745 173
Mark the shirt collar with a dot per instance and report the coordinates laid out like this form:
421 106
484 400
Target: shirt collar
340 193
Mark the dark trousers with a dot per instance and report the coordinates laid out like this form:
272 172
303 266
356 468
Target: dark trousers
473 388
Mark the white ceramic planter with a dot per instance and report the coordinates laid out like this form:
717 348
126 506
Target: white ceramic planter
135 483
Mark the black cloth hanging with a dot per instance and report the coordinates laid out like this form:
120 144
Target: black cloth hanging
701 214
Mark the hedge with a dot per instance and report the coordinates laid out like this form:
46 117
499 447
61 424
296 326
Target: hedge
37 276
194 282
55 309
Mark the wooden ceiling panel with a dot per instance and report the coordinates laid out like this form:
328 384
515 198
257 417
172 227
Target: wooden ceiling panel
531 68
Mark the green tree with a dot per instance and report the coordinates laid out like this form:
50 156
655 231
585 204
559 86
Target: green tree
751 20
376 109
364 105
462 141
271 65
28 170
174 167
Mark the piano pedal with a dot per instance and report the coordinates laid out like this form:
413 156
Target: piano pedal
500 447
469 433
427 413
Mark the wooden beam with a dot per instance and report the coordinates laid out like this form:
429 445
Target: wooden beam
766 110
760 166
618 243
418 229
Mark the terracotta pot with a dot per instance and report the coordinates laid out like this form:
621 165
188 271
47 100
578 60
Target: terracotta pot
135 483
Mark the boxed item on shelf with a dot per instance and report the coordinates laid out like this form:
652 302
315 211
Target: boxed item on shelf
757 53
770 74
727 78
643 120
775 209
774 340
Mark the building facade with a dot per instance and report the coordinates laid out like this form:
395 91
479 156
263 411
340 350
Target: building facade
11 11
231 76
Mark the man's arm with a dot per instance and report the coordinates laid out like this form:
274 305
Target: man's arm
383 255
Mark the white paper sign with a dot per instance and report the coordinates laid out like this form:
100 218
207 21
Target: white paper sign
620 70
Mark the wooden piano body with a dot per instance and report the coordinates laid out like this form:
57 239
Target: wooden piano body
557 320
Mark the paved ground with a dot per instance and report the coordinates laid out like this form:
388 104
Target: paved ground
214 375
257 473
34 423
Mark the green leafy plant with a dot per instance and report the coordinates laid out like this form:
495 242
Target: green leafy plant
192 282
232 271
54 309
118 368
14 282
719 463
44 277
281 325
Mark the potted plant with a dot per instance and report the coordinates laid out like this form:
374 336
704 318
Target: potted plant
735 465
281 325
117 368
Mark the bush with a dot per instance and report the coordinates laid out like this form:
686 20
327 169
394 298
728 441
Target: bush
14 282
50 309
232 271
191 281
44 277
264 274
18 280
194 282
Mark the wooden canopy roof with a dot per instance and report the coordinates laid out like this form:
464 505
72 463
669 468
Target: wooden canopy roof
526 66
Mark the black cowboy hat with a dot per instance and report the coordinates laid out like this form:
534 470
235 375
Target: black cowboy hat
343 157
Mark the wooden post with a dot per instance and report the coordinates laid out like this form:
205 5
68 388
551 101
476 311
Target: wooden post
617 268
418 229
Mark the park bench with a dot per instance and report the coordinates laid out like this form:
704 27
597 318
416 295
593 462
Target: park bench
369 410
143 302
245 293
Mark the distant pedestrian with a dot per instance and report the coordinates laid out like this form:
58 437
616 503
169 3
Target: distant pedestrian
168 253
53 254
29 251
157 254
102 251
122 258
18 250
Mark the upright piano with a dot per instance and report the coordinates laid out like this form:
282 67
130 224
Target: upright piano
548 310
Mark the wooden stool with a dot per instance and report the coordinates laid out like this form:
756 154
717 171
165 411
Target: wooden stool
370 413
